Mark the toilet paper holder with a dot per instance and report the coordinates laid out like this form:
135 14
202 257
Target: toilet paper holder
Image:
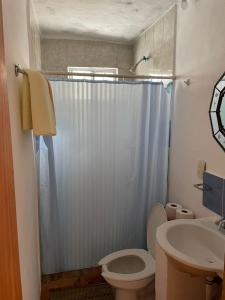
203 187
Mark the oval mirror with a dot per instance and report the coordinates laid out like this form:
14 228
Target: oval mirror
217 112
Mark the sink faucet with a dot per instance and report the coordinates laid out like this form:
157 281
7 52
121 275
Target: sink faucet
221 225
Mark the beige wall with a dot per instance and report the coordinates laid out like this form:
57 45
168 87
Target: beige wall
200 57
58 54
34 38
158 42
17 51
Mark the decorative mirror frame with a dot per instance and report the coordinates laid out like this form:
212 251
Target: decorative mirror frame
218 96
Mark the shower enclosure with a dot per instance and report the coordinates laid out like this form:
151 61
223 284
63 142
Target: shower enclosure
100 174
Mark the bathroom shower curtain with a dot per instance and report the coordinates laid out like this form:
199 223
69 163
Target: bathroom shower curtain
102 172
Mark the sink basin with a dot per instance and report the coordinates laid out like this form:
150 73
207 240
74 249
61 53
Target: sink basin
194 244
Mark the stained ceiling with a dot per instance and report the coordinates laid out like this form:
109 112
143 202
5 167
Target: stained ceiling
111 20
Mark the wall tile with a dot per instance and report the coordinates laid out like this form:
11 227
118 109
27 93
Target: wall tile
58 54
158 42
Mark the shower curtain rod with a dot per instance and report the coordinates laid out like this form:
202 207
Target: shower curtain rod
19 70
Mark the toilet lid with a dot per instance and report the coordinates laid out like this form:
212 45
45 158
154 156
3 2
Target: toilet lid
156 218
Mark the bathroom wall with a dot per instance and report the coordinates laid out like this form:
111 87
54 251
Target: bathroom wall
15 19
34 38
58 54
158 42
199 56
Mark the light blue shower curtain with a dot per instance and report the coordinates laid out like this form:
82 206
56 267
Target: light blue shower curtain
102 172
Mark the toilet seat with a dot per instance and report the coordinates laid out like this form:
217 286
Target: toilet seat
131 270
147 271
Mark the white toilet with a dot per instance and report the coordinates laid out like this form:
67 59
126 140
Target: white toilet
130 270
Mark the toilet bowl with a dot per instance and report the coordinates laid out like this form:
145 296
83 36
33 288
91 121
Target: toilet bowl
130 270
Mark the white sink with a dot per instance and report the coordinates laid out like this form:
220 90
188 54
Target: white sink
196 244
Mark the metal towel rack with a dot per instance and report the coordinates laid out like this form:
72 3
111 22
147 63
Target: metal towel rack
203 187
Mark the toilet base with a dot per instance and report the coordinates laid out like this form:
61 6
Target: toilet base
126 294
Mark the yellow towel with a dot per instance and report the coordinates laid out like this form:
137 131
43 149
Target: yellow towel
37 104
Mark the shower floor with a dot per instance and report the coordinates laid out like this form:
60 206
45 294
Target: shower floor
85 284
96 292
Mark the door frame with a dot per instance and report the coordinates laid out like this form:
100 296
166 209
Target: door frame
10 281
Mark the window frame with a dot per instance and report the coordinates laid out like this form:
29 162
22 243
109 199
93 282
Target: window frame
91 71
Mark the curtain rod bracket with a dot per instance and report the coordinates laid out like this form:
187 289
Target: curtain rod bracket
187 81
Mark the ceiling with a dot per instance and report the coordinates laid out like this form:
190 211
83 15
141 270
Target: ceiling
111 20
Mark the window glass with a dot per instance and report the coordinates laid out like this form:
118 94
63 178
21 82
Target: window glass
91 71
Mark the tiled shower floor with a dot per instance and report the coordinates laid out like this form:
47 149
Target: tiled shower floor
85 284
95 292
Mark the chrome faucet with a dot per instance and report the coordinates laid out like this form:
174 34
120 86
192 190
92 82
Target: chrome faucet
221 225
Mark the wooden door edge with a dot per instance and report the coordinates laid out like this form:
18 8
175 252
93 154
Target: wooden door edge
10 287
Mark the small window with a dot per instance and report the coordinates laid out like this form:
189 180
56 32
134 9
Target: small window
91 71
